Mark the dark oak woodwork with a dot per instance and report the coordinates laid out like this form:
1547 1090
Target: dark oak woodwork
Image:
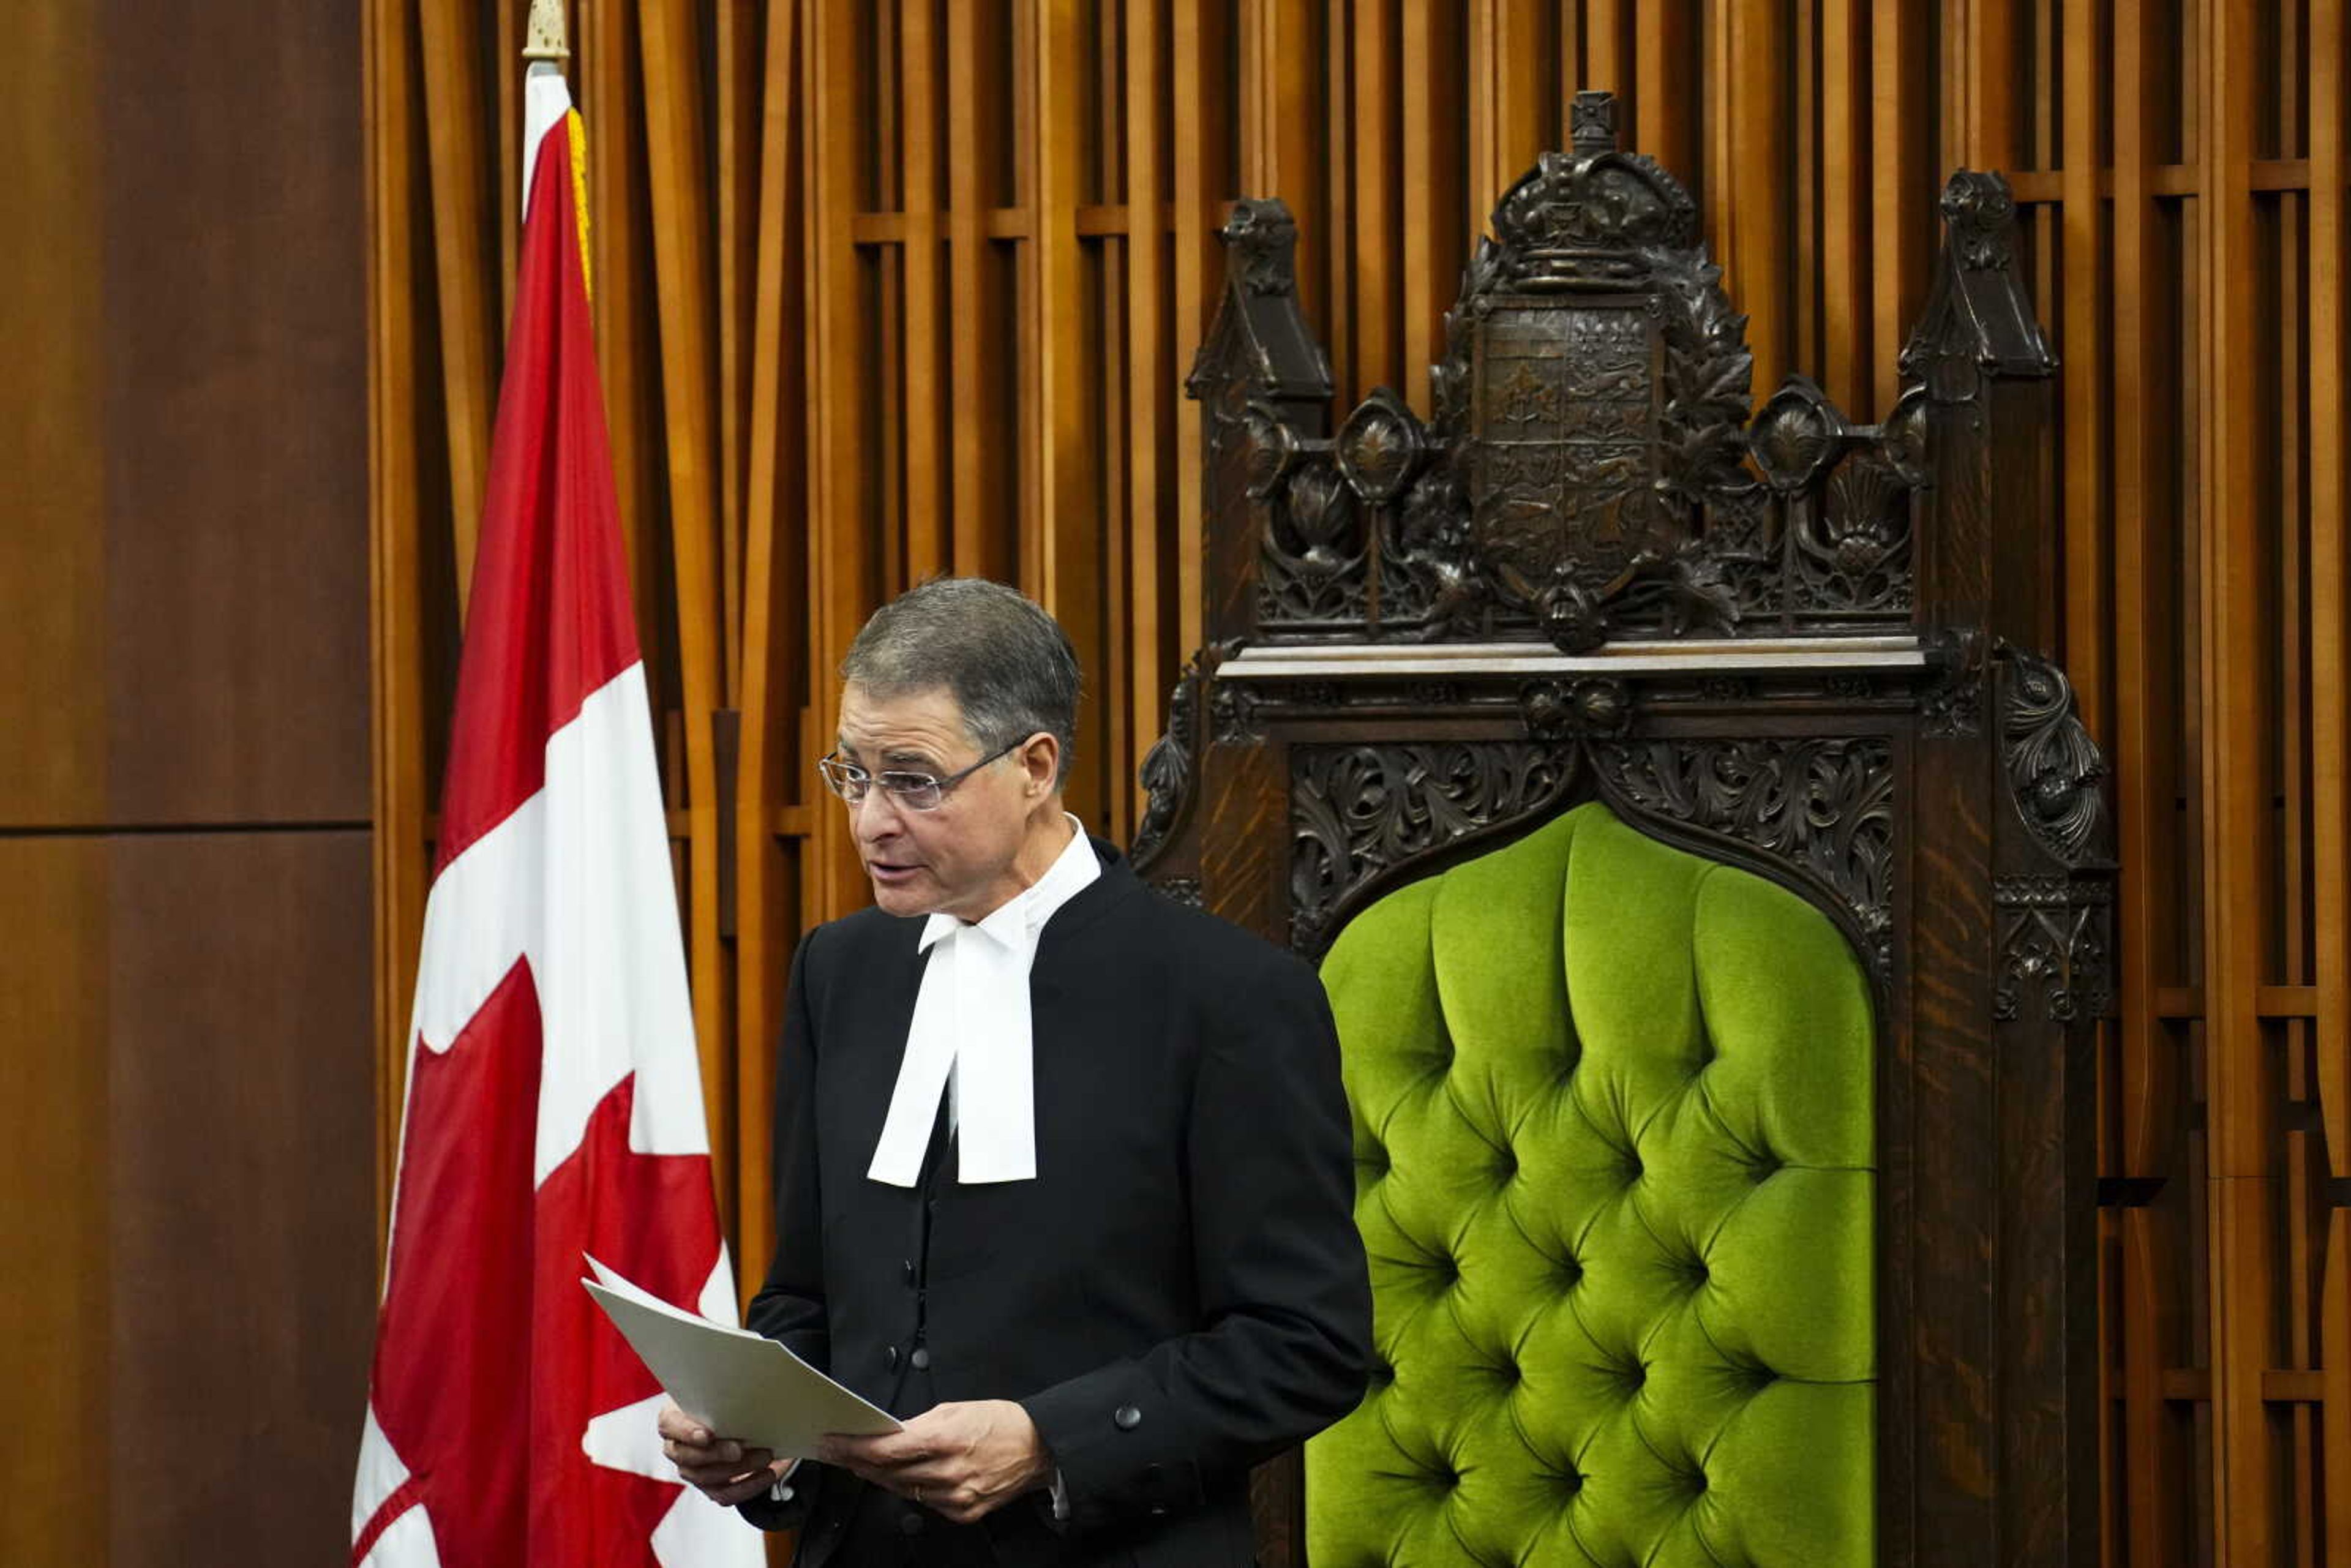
1778 638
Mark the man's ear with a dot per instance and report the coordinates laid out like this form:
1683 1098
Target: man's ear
1040 759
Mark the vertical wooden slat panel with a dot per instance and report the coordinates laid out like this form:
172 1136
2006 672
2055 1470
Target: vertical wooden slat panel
1420 89
977 105
1846 369
1666 108
929 535
1508 118
1105 327
733 216
2334 1356
1805 332
1331 286
1607 58
1379 337
1901 180
2330 717
1282 57
459 147
1202 32
1754 234
2144 810
2082 359
506 97
1988 115
842 553
2277 125
774 639
2240 1111
608 82
679 186
402 796
1150 381
1064 570
1567 28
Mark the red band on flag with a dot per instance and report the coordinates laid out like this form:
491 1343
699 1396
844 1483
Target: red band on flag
550 535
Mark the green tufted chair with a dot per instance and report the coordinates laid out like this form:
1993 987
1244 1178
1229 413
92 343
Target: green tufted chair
1613 1135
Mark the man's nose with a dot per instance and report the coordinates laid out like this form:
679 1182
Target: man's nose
875 816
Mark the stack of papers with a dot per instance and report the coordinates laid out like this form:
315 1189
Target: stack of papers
741 1385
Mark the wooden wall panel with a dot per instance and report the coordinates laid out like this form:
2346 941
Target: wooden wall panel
53 1223
240 1262
52 467
236 495
978 257
185 1056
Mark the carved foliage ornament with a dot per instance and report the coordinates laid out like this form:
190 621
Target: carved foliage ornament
1358 812
1168 766
1821 809
1824 808
2055 774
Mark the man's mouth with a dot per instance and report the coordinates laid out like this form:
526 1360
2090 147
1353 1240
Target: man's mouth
882 871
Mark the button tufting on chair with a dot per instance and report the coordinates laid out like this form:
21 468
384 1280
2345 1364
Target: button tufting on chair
1630 1217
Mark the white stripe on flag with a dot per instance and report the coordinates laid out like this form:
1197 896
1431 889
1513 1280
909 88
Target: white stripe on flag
546 99
611 985
380 1474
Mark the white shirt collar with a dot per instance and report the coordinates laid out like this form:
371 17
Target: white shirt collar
1024 915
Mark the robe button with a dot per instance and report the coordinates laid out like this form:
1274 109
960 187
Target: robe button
1127 1418
891 1356
909 1266
921 1359
910 1523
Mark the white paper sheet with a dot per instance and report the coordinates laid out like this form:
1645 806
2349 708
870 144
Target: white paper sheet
742 1384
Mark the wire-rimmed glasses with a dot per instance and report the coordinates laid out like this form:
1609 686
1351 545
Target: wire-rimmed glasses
909 791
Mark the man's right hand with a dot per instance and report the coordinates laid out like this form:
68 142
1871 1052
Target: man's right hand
722 1469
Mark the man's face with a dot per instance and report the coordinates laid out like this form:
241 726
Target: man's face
956 860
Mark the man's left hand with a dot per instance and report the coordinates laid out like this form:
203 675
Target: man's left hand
964 1459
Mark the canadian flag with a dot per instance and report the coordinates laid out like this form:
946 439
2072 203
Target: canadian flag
554 1097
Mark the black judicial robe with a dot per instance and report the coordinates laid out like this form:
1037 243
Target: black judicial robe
1179 1294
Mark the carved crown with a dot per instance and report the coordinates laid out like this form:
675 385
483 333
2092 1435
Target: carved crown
1593 218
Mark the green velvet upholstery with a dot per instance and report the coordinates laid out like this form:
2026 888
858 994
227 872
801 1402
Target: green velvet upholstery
1613 1142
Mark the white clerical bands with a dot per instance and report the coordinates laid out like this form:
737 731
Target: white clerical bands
970 1037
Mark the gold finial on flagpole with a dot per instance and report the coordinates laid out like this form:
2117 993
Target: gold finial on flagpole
544 39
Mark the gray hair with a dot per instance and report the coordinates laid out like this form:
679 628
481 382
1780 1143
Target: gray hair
1009 666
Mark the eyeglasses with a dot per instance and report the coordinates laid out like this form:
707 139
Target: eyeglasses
909 791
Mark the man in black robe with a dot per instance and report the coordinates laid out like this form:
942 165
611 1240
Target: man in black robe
1062 1168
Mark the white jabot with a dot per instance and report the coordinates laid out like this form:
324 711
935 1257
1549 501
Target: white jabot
971 1028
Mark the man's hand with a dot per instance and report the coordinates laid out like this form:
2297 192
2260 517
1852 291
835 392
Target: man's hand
965 1460
722 1469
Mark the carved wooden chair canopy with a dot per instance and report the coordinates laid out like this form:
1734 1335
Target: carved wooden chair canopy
1769 636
